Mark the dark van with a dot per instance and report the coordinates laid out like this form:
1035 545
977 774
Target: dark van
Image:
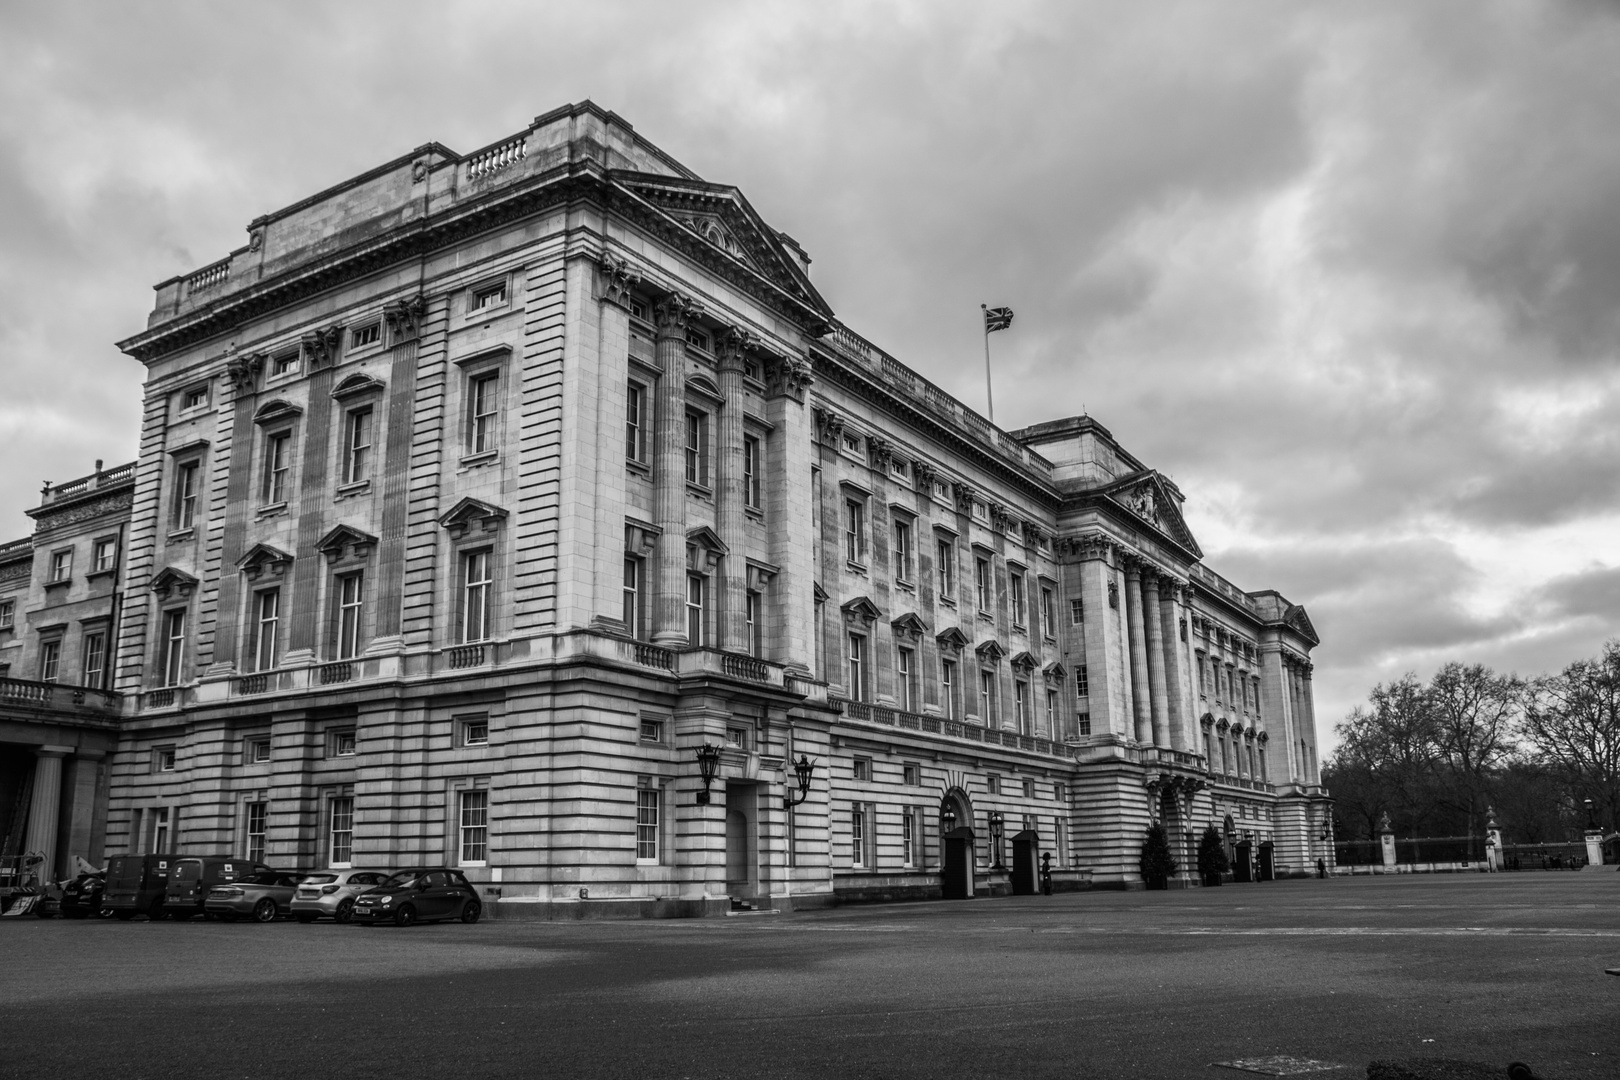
192 877
136 885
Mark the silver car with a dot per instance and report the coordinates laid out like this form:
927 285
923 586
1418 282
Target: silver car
331 893
262 896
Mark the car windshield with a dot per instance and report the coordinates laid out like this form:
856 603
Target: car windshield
319 879
257 879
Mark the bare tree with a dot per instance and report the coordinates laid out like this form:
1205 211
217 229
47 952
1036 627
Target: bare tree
1573 722
1473 715
1390 746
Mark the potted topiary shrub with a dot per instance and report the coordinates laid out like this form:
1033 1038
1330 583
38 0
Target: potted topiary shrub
1212 860
1156 864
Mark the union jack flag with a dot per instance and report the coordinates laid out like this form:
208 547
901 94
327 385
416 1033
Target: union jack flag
997 318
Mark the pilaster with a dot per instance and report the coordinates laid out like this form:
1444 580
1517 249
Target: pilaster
672 314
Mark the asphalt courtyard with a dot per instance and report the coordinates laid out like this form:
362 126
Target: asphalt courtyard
1101 984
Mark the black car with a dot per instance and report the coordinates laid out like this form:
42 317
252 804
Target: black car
81 897
419 896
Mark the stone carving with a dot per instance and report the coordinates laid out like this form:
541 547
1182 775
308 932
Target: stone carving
674 313
732 347
320 346
1113 593
882 451
405 317
924 474
1383 822
255 239
615 280
1000 517
242 369
829 425
48 519
1183 629
791 375
964 497
1143 501
419 172
1033 534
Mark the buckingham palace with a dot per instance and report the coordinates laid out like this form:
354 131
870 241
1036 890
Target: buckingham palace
529 511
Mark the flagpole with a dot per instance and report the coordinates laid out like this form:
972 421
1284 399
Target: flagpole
989 395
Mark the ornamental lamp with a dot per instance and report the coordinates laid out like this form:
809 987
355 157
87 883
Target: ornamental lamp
947 820
1591 820
804 768
708 759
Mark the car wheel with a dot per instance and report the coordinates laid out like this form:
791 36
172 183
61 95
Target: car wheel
344 912
470 911
405 916
264 910
306 917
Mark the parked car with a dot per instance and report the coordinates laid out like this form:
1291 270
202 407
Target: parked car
191 880
262 895
81 897
331 894
419 895
136 884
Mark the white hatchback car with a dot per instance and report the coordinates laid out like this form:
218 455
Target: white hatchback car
331 893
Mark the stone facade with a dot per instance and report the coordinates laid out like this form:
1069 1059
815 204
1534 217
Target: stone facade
518 477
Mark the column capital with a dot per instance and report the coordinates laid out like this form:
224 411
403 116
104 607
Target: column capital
615 279
674 313
732 346
54 751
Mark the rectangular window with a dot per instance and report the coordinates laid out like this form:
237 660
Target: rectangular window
106 555
635 429
857 835
361 336
992 784
285 364
632 595
1021 705
476 579
1202 687
266 628
357 446
755 615
1051 713
483 410
697 338
652 731
1082 723
737 737
751 472
95 659
981 581
908 837
947 688
258 751
1015 595
185 493
911 774
647 824
163 759
174 647
489 296
343 744
696 615
854 530
195 398
474 827
905 669
1077 612
1048 614
8 614
1082 682
277 467
987 698
342 831
475 731
62 565
902 550
857 667
351 613
258 815
863 769
697 448
945 566
50 660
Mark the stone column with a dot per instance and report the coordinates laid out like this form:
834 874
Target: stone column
1153 619
669 470
85 808
1307 701
44 807
1139 662
730 516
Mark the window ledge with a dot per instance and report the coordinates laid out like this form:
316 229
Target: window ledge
1020 628
702 491
640 468
61 583
904 585
1050 639
986 616
359 487
947 601
483 457
855 567
754 512
271 510
181 534
111 571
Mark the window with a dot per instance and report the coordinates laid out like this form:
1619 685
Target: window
8 614
857 667
1015 594
105 555
980 511
257 815
947 688
863 769
905 669
697 448
1082 723
95 659
266 627
981 581
1021 705
483 404
160 829
351 611
854 530
61 565
752 464
902 550
647 808
737 737
285 364
1051 713
361 336
992 784
475 731
1082 682
489 296
857 835
698 338
341 834
652 731
632 594
635 429
1077 612
185 493
908 837
50 660
911 774
945 567
258 751
163 759
357 446
696 597
987 698
474 827
475 588
1029 792
343 744
277 467
195 398
754 613
1202 687
174 646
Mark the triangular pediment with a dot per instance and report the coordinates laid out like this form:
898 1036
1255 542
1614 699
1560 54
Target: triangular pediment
1023 662
346 537
262 557
952 638
1300 623
863 609
717 219
706 538
469 511
910 625
171 580
990 650
1144 497
1055 671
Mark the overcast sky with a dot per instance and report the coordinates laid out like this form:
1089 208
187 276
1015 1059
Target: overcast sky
1350 274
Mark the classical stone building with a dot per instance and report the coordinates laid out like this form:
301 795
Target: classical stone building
59 598
479 493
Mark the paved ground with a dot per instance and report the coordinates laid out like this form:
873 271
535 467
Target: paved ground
1085 985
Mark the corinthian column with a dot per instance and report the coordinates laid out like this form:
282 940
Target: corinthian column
1139 668
42 810
1154 620
669 469
729 513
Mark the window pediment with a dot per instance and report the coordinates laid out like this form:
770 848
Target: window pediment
952 638
357 385
761 574
640 538
169 580
1055 672
1023 663
190 446
275 411
470 512
262 557
862 610
357 543
990 651
909 625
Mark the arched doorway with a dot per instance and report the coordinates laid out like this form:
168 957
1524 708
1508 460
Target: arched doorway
956 844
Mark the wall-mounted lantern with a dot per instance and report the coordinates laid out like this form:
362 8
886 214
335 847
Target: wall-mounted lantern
708 759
